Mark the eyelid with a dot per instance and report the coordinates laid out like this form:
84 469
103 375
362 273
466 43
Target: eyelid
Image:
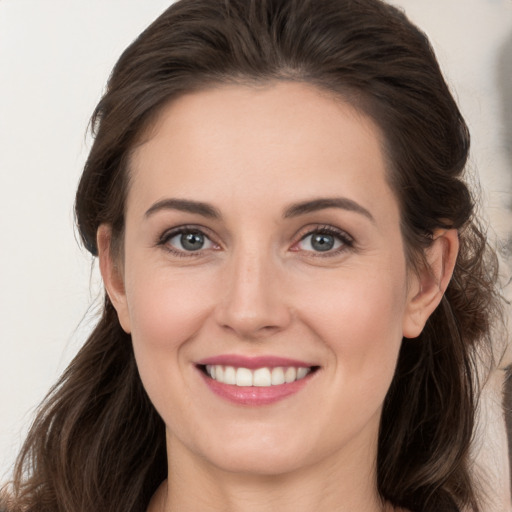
347 241
168 234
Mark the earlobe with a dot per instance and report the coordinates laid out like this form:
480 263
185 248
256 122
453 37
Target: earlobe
112 275
428 286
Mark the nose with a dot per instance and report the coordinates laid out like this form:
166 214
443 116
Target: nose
252 303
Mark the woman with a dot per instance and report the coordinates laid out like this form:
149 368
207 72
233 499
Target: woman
275 195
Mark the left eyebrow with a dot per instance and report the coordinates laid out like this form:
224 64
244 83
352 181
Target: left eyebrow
184 205
323 203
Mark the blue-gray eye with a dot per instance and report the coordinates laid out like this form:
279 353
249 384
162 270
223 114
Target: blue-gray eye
320 242
190 241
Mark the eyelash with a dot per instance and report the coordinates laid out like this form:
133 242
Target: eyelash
163 240
347 242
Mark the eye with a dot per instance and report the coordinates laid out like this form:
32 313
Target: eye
325 240
186 240
320 242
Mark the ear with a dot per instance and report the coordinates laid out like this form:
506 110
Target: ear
427 287
112 274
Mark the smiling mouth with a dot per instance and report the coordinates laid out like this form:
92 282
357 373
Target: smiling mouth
258 377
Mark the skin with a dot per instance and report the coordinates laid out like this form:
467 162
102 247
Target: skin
258 287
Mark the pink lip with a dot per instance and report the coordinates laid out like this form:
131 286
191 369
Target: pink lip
253 395
253 362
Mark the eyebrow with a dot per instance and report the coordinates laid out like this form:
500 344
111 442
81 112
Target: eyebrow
184 205
323 203
294 210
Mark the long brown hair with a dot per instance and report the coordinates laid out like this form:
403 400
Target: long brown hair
97 443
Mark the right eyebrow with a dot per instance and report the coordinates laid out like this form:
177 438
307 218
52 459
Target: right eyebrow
343 203
184 205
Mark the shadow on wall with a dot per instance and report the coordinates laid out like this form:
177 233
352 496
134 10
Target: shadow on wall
504 83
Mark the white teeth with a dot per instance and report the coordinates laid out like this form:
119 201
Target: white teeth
229 375
243 377
277 376
290 374
302 372
260 377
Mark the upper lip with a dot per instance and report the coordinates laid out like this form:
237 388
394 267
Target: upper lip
249 362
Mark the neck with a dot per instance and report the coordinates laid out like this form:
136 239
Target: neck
342 483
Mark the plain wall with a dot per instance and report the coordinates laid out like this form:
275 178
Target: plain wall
55 57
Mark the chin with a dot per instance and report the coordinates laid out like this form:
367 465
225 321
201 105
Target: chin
261 454
264 464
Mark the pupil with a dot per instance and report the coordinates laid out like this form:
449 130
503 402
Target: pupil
322 242
192 241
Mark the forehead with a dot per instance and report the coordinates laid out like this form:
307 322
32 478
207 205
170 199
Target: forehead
270 142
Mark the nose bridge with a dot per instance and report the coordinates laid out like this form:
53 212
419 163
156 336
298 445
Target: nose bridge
252 304
251 276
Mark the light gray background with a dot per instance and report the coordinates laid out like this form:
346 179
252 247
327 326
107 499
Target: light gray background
55 57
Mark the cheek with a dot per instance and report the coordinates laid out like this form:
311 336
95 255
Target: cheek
165 308
359 316
166 312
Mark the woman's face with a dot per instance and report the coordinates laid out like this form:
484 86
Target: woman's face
263 244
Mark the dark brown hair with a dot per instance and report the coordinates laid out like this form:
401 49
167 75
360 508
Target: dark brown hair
97 443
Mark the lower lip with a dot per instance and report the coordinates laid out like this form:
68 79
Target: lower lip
255 395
